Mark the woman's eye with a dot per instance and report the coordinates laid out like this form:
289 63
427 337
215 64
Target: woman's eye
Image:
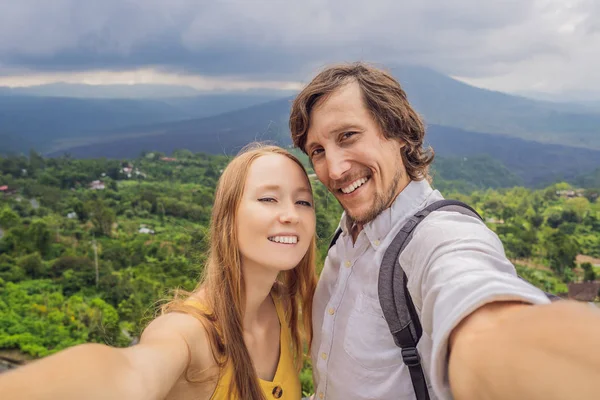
346 135
267 199
305 203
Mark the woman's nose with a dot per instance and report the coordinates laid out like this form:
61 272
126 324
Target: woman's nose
289 215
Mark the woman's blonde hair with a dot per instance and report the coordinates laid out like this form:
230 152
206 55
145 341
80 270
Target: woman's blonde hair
223 284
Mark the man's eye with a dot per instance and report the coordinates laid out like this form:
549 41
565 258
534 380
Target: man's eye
346 135
316 152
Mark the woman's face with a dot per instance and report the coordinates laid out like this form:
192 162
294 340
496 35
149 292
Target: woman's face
276 217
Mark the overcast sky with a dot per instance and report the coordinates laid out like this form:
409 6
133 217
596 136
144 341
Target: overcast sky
511 45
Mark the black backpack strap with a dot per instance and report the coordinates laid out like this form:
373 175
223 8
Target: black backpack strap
398 308
395 300
336 235
450 205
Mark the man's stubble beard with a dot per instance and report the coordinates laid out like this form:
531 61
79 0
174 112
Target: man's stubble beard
380 203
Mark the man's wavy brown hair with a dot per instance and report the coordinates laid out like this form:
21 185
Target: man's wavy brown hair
386 101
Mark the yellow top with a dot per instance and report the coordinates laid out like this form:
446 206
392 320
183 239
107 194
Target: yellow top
286 383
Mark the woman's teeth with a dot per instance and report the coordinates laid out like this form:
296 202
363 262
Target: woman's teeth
284 239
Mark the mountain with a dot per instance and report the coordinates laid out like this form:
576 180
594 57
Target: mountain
131 91
218 103
449 102
570 96
533 162
225 133
479 171
53 123
589 180
44 120
592 105
537 164
137 91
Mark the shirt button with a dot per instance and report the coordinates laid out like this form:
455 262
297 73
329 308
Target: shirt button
321 395
324 356
277 392
377 243
348 264
331 311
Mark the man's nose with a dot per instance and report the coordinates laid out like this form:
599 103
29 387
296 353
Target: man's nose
337 164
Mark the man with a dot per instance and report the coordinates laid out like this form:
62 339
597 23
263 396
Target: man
486 333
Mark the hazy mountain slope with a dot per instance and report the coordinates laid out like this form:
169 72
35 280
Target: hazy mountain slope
534 163
446 101
441 99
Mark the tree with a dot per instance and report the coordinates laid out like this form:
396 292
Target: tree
535 219
578 205
80 209
8 218
66 262
36 162
40 236
591 194
561 252
182 154
33 266
517 246
589 273
9 270
324 229
102 217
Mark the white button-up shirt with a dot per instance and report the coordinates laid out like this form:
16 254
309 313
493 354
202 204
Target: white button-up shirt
454 264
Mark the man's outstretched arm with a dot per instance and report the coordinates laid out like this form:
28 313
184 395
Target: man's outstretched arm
495 336
516 351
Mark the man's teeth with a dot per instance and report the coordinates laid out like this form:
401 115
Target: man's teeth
284 239
354 185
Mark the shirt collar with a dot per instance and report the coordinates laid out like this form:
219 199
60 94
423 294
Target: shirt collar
410 199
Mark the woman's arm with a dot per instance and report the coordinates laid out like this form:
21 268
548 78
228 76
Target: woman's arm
94 371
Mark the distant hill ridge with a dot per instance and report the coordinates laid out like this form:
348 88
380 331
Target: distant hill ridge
538 141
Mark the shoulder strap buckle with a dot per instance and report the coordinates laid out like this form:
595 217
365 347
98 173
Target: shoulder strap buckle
411 357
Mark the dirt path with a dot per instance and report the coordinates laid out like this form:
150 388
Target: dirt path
531 264
582 258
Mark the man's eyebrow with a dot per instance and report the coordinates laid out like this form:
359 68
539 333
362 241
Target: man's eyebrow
344 127
308 146
335 129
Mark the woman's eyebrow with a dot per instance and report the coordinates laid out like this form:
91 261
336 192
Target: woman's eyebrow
267 187
302 189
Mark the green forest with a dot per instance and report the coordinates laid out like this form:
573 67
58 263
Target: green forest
89 248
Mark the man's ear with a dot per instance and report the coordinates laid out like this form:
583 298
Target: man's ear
401 142
396 139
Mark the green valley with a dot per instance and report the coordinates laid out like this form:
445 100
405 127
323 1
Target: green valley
89 248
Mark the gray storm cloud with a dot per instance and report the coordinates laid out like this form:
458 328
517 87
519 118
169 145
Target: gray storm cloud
288 40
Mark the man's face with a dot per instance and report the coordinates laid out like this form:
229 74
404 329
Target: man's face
351 157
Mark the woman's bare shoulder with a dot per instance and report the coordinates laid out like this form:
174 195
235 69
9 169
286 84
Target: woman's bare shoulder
190 326
202 370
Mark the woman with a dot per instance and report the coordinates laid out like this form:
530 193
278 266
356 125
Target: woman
238 335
